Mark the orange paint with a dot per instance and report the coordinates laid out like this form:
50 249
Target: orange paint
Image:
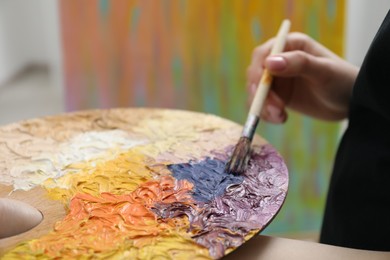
109 197
110 224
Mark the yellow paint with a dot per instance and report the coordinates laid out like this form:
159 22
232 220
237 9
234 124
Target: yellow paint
118 176
120 226
109 197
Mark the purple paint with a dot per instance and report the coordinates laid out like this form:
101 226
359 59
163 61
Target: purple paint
223 218
208 176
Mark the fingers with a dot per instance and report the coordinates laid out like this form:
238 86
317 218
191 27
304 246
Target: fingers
298 45
255 69
295 64
276 64
303 58
295 41
274 110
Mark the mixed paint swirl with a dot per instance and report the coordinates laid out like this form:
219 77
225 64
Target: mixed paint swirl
160 193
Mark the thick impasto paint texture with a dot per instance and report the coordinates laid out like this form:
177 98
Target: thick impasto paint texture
193 55
141 184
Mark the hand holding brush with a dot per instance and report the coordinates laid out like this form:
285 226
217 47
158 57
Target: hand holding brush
241 153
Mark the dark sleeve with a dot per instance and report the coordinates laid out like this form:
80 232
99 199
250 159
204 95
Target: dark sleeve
357 213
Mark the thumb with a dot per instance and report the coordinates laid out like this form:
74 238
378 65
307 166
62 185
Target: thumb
294 63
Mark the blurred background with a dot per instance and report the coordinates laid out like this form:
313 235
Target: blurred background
67 55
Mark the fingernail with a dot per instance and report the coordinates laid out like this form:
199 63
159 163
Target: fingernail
252 88
274 112
276 63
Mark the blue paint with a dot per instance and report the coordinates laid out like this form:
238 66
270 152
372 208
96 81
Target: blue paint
177 72
208 176
332 9
104 7
313 23
256 29
235 205
134 19
209 96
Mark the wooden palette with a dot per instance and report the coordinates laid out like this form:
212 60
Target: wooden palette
136 183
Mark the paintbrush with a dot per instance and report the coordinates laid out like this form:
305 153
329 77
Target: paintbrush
240 157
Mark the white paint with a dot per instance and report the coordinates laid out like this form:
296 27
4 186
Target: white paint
90 147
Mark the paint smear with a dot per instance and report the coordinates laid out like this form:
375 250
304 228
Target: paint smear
120 225
121 175
168 215
245 204
208 176
156 189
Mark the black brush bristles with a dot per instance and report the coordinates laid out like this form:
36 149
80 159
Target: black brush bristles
240 157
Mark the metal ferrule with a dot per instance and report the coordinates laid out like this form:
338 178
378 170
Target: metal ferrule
250 126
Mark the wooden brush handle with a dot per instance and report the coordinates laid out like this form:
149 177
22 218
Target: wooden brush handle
266 79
